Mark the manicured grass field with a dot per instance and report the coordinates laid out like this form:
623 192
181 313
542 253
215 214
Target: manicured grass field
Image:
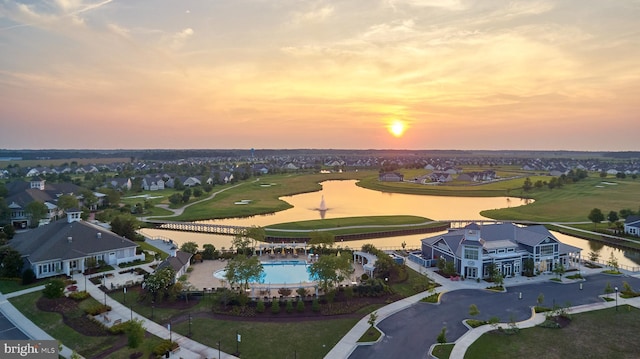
604 333
572 203
370 224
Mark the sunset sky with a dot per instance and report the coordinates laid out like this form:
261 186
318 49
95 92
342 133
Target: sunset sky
452 74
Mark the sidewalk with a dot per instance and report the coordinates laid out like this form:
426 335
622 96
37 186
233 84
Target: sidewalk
189 349
25 325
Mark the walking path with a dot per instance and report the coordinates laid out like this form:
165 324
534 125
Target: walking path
349 342
189 349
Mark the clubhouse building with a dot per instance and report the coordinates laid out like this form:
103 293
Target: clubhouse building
505 245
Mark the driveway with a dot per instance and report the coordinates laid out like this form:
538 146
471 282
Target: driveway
411 332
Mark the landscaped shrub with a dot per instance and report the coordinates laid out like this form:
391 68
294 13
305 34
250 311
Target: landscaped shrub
164 347
119 328
300 306
275 307
79 296
260 306
54 289
289 306
97 309
28 276
315 305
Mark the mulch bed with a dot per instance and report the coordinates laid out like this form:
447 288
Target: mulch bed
72 315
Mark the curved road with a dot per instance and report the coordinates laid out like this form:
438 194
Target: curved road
411 332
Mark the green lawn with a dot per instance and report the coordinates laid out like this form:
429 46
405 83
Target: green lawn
574 202
52 324
373 224
604 333
9 286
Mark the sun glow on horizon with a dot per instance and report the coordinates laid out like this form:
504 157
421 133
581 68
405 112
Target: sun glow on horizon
397 128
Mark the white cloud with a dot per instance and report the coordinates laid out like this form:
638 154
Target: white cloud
313 16
443 4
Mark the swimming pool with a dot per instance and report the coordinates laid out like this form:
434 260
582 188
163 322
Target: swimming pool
280 272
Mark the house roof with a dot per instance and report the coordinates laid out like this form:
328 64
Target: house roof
178 262
51 242
500 235
632 221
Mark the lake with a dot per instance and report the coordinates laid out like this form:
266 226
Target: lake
345 199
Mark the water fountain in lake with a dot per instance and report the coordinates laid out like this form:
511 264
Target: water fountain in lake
323 208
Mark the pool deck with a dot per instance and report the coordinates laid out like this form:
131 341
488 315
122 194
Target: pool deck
202 275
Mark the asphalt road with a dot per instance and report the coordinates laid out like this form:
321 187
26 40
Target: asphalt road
411 332
9 332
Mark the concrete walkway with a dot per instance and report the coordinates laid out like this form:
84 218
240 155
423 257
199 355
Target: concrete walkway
189 349
23 323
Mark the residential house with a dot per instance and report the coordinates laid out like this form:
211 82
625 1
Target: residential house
21 193
119 183
632 226
67 247
391 177
441 177
504 245
152 183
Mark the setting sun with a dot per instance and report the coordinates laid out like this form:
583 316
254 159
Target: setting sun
397 128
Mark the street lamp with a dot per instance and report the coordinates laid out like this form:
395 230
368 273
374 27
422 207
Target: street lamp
616 289
189 325
131 310
124 300
153 305
218 349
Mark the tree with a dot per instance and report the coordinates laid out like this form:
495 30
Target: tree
9 231
5 212
113 196
53 289
527 185
596 216
559 270
322 238
208 251
160 281
241 243
135 333
612 216
594 256
540 299
89 199
330 270
242 270
126 226
10 263
175 198
442 337
36 211
67 201
189 247
613 262
372 318
528 267
186 194
473 310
